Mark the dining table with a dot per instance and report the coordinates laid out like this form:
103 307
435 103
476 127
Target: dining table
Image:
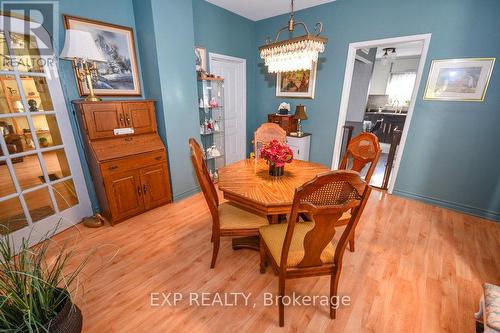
247 184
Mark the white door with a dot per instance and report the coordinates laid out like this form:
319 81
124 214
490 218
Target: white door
233 70
42 183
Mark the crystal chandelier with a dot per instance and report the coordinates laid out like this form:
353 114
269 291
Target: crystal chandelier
294 54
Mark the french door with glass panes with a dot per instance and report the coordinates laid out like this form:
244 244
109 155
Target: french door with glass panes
41 181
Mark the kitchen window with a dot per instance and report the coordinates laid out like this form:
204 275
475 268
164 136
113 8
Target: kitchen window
400 88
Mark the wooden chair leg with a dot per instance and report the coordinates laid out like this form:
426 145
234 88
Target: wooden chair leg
215 251
351 242
334 283
281 305
262 256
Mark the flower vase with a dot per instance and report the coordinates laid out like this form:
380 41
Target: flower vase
276 171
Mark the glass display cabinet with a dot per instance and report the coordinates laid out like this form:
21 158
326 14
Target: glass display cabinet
211 116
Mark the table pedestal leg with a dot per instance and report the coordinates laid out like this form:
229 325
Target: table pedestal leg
250 242
273 219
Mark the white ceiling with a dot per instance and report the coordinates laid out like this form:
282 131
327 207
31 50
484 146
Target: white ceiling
403 50
260 9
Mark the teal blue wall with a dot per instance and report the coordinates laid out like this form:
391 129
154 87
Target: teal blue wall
112 11
221 31
167 53
451 156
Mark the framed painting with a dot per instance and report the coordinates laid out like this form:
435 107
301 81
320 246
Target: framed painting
459 79
119 75
200 57
299 84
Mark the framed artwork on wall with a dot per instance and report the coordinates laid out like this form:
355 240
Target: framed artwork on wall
459 79
119 75
299 84
200 56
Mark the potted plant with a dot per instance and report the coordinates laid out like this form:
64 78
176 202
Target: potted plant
276 154
43 141
36 288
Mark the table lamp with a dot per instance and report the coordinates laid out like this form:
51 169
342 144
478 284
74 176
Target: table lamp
300 114
80 47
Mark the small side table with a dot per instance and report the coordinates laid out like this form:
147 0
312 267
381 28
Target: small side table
301 145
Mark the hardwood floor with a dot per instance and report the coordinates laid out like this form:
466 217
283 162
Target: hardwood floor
417 268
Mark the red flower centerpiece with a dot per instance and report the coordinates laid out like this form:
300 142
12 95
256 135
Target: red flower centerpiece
276 154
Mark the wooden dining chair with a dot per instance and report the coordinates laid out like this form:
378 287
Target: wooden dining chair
265 134
304 249
227 220
362 150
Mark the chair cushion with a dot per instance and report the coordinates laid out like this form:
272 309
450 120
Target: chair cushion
492 305
232 217
274 236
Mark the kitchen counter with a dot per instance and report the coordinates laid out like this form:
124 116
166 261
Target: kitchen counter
388 113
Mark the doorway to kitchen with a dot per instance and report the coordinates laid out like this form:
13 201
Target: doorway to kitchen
380 87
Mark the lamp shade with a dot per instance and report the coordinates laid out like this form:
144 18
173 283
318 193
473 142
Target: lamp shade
300 112
80 45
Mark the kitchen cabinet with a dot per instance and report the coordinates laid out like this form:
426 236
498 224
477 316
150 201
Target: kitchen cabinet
390 122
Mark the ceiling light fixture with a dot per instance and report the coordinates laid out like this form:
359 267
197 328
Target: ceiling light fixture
297 53
389 55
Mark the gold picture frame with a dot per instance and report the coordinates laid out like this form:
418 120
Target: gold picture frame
465 79
120 75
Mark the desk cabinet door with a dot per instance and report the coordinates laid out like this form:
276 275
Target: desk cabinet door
102 118
155 185
125 194
140 116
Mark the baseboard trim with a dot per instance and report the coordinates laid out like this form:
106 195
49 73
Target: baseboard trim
186 194
487 214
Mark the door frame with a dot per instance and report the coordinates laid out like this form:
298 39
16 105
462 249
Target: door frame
346 90
69 217
241 90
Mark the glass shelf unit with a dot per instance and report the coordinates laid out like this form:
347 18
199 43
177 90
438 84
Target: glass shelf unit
211 123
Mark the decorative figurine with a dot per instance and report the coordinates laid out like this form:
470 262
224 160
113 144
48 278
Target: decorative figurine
284 108
33 105
210 125
213 103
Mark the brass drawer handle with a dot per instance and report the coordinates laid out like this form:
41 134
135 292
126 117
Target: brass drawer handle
158 158
144 189
113 167
139 190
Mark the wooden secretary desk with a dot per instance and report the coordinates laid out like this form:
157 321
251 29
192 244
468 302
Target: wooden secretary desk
129 170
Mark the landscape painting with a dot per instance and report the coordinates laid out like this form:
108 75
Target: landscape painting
299 84
118 76
459 79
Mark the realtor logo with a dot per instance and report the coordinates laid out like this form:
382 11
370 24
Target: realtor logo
39 16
